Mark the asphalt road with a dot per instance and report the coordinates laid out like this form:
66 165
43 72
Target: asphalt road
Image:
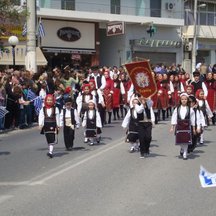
103 179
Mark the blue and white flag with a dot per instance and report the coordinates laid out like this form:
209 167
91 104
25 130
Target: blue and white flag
207 179
41 31
3 111
38 103
24 30
31 95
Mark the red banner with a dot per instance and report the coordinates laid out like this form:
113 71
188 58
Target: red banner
142 78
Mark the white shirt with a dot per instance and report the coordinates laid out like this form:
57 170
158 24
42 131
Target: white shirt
91 113
41 116
68 115
182 113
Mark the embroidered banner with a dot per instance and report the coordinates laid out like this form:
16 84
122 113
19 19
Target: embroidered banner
142 78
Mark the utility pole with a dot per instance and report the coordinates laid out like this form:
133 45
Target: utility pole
194 51
30 60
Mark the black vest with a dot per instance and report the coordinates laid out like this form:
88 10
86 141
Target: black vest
98 80
140 116
73 122
196 86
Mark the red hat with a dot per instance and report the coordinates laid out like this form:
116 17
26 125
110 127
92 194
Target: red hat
68 90
198 93
86 85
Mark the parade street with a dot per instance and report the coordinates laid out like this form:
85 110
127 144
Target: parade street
104 179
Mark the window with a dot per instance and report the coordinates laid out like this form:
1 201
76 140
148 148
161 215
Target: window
68 4
115 6
155 7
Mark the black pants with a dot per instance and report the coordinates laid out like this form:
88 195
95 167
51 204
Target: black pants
145 136
68 137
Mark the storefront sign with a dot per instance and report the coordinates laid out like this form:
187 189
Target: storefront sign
115 28
69 34
158 43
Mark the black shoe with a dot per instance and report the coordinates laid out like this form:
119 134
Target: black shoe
50 155
141 155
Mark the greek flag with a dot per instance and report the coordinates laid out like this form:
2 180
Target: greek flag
31 95
3 111
207 179
38 102
24 30
41 31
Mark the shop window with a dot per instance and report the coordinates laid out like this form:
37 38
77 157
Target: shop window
68 4
115 6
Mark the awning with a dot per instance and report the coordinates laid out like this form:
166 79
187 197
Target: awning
68 50
6 57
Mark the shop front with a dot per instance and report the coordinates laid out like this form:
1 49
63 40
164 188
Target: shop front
70 43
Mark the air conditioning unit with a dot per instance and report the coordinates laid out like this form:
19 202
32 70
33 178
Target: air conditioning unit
188 46
170 6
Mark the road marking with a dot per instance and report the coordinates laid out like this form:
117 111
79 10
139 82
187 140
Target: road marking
14 183
57 173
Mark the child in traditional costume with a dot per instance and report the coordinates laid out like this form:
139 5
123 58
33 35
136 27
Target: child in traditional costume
69 119
183 118
92 124
199 120
131 122
49 122
204 106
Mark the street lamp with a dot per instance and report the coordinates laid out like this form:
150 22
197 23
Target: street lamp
194 49
13 41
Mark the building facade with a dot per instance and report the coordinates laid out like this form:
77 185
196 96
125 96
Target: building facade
201 17
111 32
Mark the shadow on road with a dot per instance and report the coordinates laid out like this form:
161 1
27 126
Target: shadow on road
4 153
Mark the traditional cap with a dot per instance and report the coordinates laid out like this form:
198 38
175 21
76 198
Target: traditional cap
183 94
91 101
68 100
189 86
196 73
95 67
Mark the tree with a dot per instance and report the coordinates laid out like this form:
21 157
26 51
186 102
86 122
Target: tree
10 13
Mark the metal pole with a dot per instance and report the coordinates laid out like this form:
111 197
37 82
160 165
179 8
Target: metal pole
13 53
193 63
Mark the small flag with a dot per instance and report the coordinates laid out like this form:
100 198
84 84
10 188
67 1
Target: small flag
38 102
24 30
41 31
31 95
3 111
207 179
